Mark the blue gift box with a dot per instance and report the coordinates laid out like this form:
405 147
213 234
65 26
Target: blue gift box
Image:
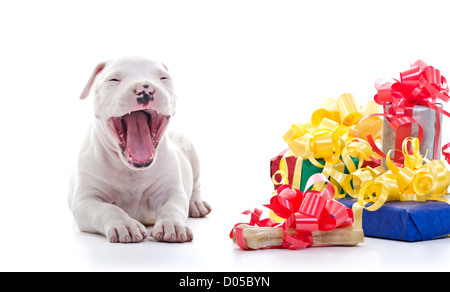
407 220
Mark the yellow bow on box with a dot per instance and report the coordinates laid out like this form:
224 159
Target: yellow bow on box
337 123
336 132
414 181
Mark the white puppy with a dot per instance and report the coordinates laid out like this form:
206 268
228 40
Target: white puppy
131 172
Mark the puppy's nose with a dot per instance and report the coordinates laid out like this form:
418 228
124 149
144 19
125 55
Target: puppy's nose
144 94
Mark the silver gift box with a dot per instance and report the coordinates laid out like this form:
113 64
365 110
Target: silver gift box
426 117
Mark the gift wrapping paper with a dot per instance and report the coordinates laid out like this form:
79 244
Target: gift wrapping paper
406 220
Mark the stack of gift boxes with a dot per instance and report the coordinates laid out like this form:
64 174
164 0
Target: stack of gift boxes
383 159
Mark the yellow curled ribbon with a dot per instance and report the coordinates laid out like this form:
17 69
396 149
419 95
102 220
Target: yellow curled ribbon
414 181
331 128
335 133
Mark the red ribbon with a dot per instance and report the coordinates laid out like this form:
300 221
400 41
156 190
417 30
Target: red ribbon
306 212
419 85
446 152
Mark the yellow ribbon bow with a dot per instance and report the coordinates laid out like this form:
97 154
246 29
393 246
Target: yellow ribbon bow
331 127
414 181
335 133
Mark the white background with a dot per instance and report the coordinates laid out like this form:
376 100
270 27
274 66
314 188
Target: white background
244 71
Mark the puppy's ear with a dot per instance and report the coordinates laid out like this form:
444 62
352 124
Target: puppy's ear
88 86
165 67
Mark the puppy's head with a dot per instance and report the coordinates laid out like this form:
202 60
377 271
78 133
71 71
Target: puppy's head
133 101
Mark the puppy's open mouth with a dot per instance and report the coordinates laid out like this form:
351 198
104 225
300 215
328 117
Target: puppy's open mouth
138 134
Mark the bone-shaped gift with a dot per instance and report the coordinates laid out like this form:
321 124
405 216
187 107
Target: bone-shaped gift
309 218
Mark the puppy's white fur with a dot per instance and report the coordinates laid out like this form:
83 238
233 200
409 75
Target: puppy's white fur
110 195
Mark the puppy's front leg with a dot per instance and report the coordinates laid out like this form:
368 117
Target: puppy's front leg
93 215
171 220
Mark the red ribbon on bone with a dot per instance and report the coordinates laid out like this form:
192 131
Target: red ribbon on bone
254 221
306 212
419 85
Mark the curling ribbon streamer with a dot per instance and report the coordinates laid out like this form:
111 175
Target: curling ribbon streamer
420 85
306 212
446 152
414 181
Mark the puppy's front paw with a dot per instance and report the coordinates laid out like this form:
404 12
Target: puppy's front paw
198 208
126 231
171 231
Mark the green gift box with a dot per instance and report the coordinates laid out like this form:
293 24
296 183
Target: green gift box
307 169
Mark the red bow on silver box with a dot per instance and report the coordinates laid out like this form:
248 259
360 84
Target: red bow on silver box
419 85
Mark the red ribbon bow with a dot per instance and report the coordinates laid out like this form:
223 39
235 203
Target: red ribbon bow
419 85
306 212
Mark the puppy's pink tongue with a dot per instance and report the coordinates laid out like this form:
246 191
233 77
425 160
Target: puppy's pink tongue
139 141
